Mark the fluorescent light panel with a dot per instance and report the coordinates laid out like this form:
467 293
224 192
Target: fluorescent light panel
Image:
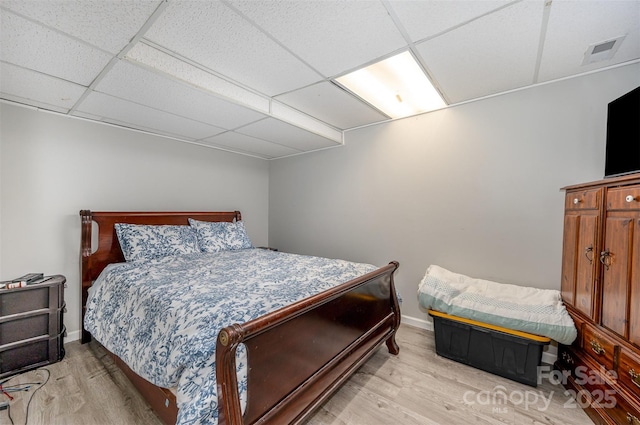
397 86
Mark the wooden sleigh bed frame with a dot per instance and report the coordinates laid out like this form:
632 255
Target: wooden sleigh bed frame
298 355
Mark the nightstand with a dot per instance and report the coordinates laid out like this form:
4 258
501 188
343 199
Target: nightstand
31 326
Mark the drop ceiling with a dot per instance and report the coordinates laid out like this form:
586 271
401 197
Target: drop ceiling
255 77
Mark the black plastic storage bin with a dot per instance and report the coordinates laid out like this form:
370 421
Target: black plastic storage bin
510 356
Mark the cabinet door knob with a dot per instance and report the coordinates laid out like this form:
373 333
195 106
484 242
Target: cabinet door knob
605 258
589 250
630 198
596 347
576 201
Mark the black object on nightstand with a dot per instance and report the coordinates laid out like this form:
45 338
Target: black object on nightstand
31 325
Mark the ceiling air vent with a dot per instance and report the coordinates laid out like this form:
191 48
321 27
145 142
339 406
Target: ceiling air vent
602 51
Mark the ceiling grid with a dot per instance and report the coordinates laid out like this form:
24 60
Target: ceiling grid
255 77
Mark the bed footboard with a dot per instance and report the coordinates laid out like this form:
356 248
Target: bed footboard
299 355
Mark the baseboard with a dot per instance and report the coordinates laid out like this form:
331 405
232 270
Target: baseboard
72 336
550 355
417 323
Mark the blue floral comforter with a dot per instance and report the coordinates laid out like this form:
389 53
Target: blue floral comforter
162 316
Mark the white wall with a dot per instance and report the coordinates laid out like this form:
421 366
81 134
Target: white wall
473 188
54 166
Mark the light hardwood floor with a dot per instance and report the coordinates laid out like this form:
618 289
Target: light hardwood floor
415 387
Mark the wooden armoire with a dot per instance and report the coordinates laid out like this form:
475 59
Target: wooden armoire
601 289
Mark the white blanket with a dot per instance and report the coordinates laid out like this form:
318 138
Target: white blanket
532 310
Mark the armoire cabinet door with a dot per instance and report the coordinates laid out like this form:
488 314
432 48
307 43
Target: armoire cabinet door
587 259
634 304
616 257
569 249
580 249
579 264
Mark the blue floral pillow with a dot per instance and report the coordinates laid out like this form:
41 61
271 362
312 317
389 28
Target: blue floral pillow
146 242
220 236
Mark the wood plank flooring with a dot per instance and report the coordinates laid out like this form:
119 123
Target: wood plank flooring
415 387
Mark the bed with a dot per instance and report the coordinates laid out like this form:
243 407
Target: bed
297 355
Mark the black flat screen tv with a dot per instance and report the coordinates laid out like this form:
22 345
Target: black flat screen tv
623 135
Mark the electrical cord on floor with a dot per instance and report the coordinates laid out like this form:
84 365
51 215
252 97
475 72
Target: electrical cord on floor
9 414
5 406
21 387
26 419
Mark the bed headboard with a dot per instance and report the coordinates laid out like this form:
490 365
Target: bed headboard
109 251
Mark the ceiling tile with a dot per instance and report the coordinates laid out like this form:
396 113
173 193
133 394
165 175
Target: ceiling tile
424 19
331 104
490 55
212 35
36 89
139 85
279 132
109 25
35 47
247 144
332 36
142 117
575 25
